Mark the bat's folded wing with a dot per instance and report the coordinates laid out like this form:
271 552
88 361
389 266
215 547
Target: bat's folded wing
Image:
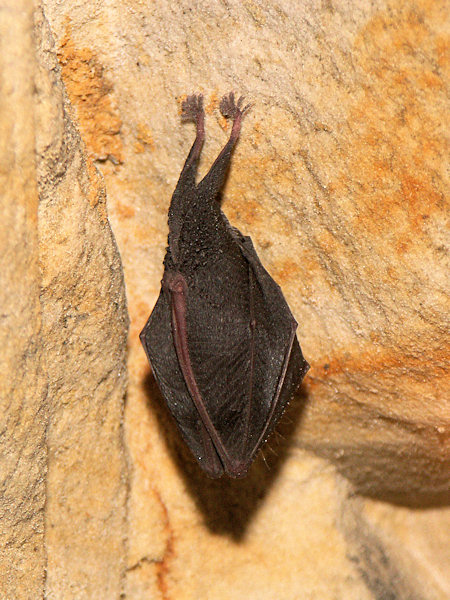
246 366
278 366
240 369
157 339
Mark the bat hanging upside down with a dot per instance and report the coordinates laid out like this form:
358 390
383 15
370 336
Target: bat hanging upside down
221 339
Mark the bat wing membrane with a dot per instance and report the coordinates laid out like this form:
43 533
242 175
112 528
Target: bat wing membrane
158 343
244 364
278 341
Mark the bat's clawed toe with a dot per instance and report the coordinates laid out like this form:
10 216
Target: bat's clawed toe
192 108
228 106
230 109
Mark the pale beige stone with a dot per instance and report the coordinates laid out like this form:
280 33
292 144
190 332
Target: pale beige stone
395 548
84 328
23 406
63 470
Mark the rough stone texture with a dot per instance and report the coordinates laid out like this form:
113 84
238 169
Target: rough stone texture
339 178
23 407
84 325
395 550
63 470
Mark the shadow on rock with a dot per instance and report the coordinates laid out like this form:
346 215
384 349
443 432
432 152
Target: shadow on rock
228 505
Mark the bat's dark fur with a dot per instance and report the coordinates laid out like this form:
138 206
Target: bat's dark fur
221 339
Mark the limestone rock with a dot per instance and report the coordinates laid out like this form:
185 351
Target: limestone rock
63 340
23 413
339 177
395 548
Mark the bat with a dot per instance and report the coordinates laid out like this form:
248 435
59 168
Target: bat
221 339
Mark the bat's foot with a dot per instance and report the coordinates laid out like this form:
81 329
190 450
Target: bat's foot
231 109
192 108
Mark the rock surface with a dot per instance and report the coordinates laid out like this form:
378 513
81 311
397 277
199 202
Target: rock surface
23 414
340 180
63 338
338 177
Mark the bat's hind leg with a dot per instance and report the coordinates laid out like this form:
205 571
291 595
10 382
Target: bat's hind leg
192 110
230 109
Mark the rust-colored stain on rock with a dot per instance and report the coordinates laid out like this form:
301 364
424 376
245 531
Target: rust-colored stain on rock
96 190
144 138
163 570
213 103
288 270
384 361
125 211
90 93
397 135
